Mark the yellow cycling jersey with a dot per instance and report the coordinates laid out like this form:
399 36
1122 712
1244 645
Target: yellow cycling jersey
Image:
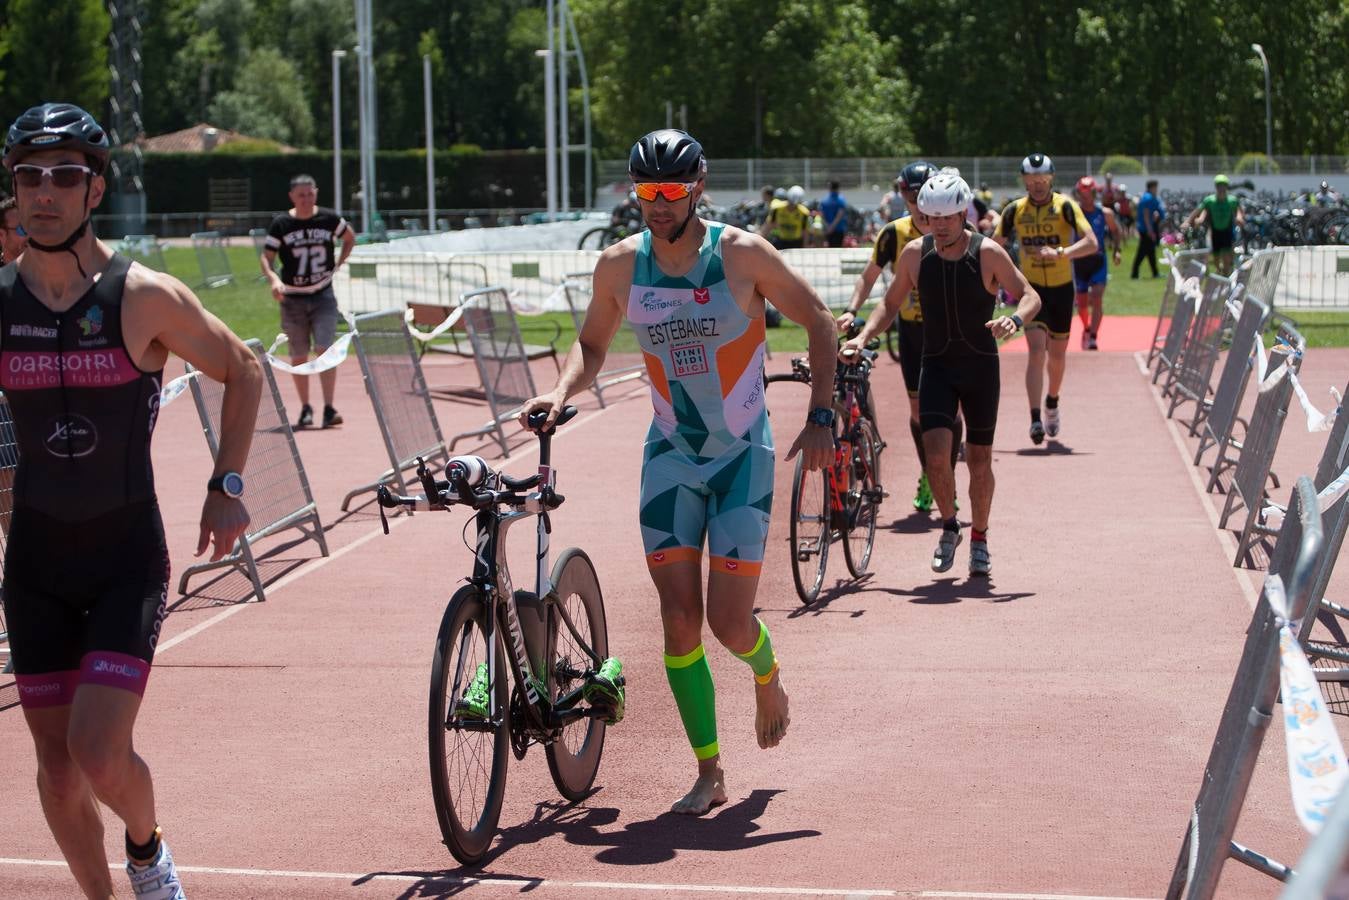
1057 223
788 219
889 242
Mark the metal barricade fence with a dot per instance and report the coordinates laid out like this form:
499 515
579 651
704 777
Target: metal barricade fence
145 249
9 464
278 497
211 257
579 289
393 376
1188 264
499 354
1215 430
1321 865
1208 841
1313 278
1331 658
1259 445
1194 374
1260 276
259 238
1168 357
833 272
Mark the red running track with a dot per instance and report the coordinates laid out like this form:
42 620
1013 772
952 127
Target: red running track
1041 733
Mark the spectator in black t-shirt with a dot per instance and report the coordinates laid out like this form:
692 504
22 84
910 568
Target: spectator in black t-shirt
304 236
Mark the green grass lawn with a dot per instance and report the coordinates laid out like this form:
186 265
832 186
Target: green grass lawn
247 307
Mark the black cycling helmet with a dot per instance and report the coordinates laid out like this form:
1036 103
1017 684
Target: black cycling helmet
1037 164
667 155
53 125
915 175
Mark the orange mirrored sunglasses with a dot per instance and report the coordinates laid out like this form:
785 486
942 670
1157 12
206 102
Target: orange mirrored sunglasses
670 190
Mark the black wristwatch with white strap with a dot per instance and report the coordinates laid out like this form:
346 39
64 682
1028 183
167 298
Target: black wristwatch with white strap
231 484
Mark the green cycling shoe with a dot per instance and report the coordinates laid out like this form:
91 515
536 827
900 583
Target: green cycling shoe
922 501
605 690
474 703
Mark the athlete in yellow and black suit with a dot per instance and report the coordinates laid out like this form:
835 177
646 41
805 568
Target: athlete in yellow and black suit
1052 231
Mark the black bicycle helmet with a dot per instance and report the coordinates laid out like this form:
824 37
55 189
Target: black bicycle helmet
915 175
1037 164
667 155
53 125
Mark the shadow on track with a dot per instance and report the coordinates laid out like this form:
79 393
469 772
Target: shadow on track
732 827
1051 448
952 590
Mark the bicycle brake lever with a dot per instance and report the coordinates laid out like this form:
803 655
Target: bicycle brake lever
383 519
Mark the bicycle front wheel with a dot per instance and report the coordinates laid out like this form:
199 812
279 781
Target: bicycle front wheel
574 757
864 478
892 340
810 529
468 752
597 238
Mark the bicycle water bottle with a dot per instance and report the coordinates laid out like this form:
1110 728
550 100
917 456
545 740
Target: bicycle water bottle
473 469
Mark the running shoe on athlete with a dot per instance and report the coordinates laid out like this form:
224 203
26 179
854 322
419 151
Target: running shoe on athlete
945 556
1037 433
473 705
1091 341
922 501
306 419
157 881
980 562
331 417
1052 422
606 692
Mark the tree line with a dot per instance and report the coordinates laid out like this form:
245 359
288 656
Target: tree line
771 78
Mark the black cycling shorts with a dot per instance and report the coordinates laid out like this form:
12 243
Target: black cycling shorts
84 601
1220 239
909 340
970 382
1056 310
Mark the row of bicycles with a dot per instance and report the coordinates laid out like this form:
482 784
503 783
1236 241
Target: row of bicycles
514 668
1270 220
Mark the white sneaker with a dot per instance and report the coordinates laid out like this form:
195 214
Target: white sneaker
980 562
157 881
1052 422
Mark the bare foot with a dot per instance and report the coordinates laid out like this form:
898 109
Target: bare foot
708 791
770 717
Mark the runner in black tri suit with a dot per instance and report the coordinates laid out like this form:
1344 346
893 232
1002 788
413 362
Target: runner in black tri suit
957 274
84 336
305 238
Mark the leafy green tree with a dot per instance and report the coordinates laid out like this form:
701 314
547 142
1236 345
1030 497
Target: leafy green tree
266 102
56 52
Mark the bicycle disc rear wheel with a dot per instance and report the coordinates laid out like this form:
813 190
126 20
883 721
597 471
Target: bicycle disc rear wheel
574 758
863 498
810 529
468 757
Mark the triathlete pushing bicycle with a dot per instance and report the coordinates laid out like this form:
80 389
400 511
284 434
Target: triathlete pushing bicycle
694 292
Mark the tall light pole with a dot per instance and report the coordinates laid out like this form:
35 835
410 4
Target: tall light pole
550 114
430 147
337 130
1269 116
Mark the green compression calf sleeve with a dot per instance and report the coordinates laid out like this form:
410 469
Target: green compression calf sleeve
761 659
691 682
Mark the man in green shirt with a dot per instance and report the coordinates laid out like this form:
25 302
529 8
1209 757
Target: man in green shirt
1221 211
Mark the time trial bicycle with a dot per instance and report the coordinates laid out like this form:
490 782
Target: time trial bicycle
841 500
512 668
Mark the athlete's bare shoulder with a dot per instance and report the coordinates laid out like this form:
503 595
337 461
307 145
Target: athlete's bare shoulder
747 249
613 270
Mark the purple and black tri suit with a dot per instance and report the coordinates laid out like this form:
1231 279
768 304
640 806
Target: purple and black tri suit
87 566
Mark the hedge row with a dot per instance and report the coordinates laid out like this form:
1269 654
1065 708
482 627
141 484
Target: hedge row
465 178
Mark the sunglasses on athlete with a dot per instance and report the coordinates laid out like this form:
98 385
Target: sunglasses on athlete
66 176
670 190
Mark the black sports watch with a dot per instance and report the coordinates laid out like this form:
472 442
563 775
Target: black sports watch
822 416
1017 319
231 484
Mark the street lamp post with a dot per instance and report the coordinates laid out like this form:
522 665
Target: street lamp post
1269 116
337 130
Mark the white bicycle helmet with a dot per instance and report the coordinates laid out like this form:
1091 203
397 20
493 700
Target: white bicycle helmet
796 193
780 194
944 195
1037 164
